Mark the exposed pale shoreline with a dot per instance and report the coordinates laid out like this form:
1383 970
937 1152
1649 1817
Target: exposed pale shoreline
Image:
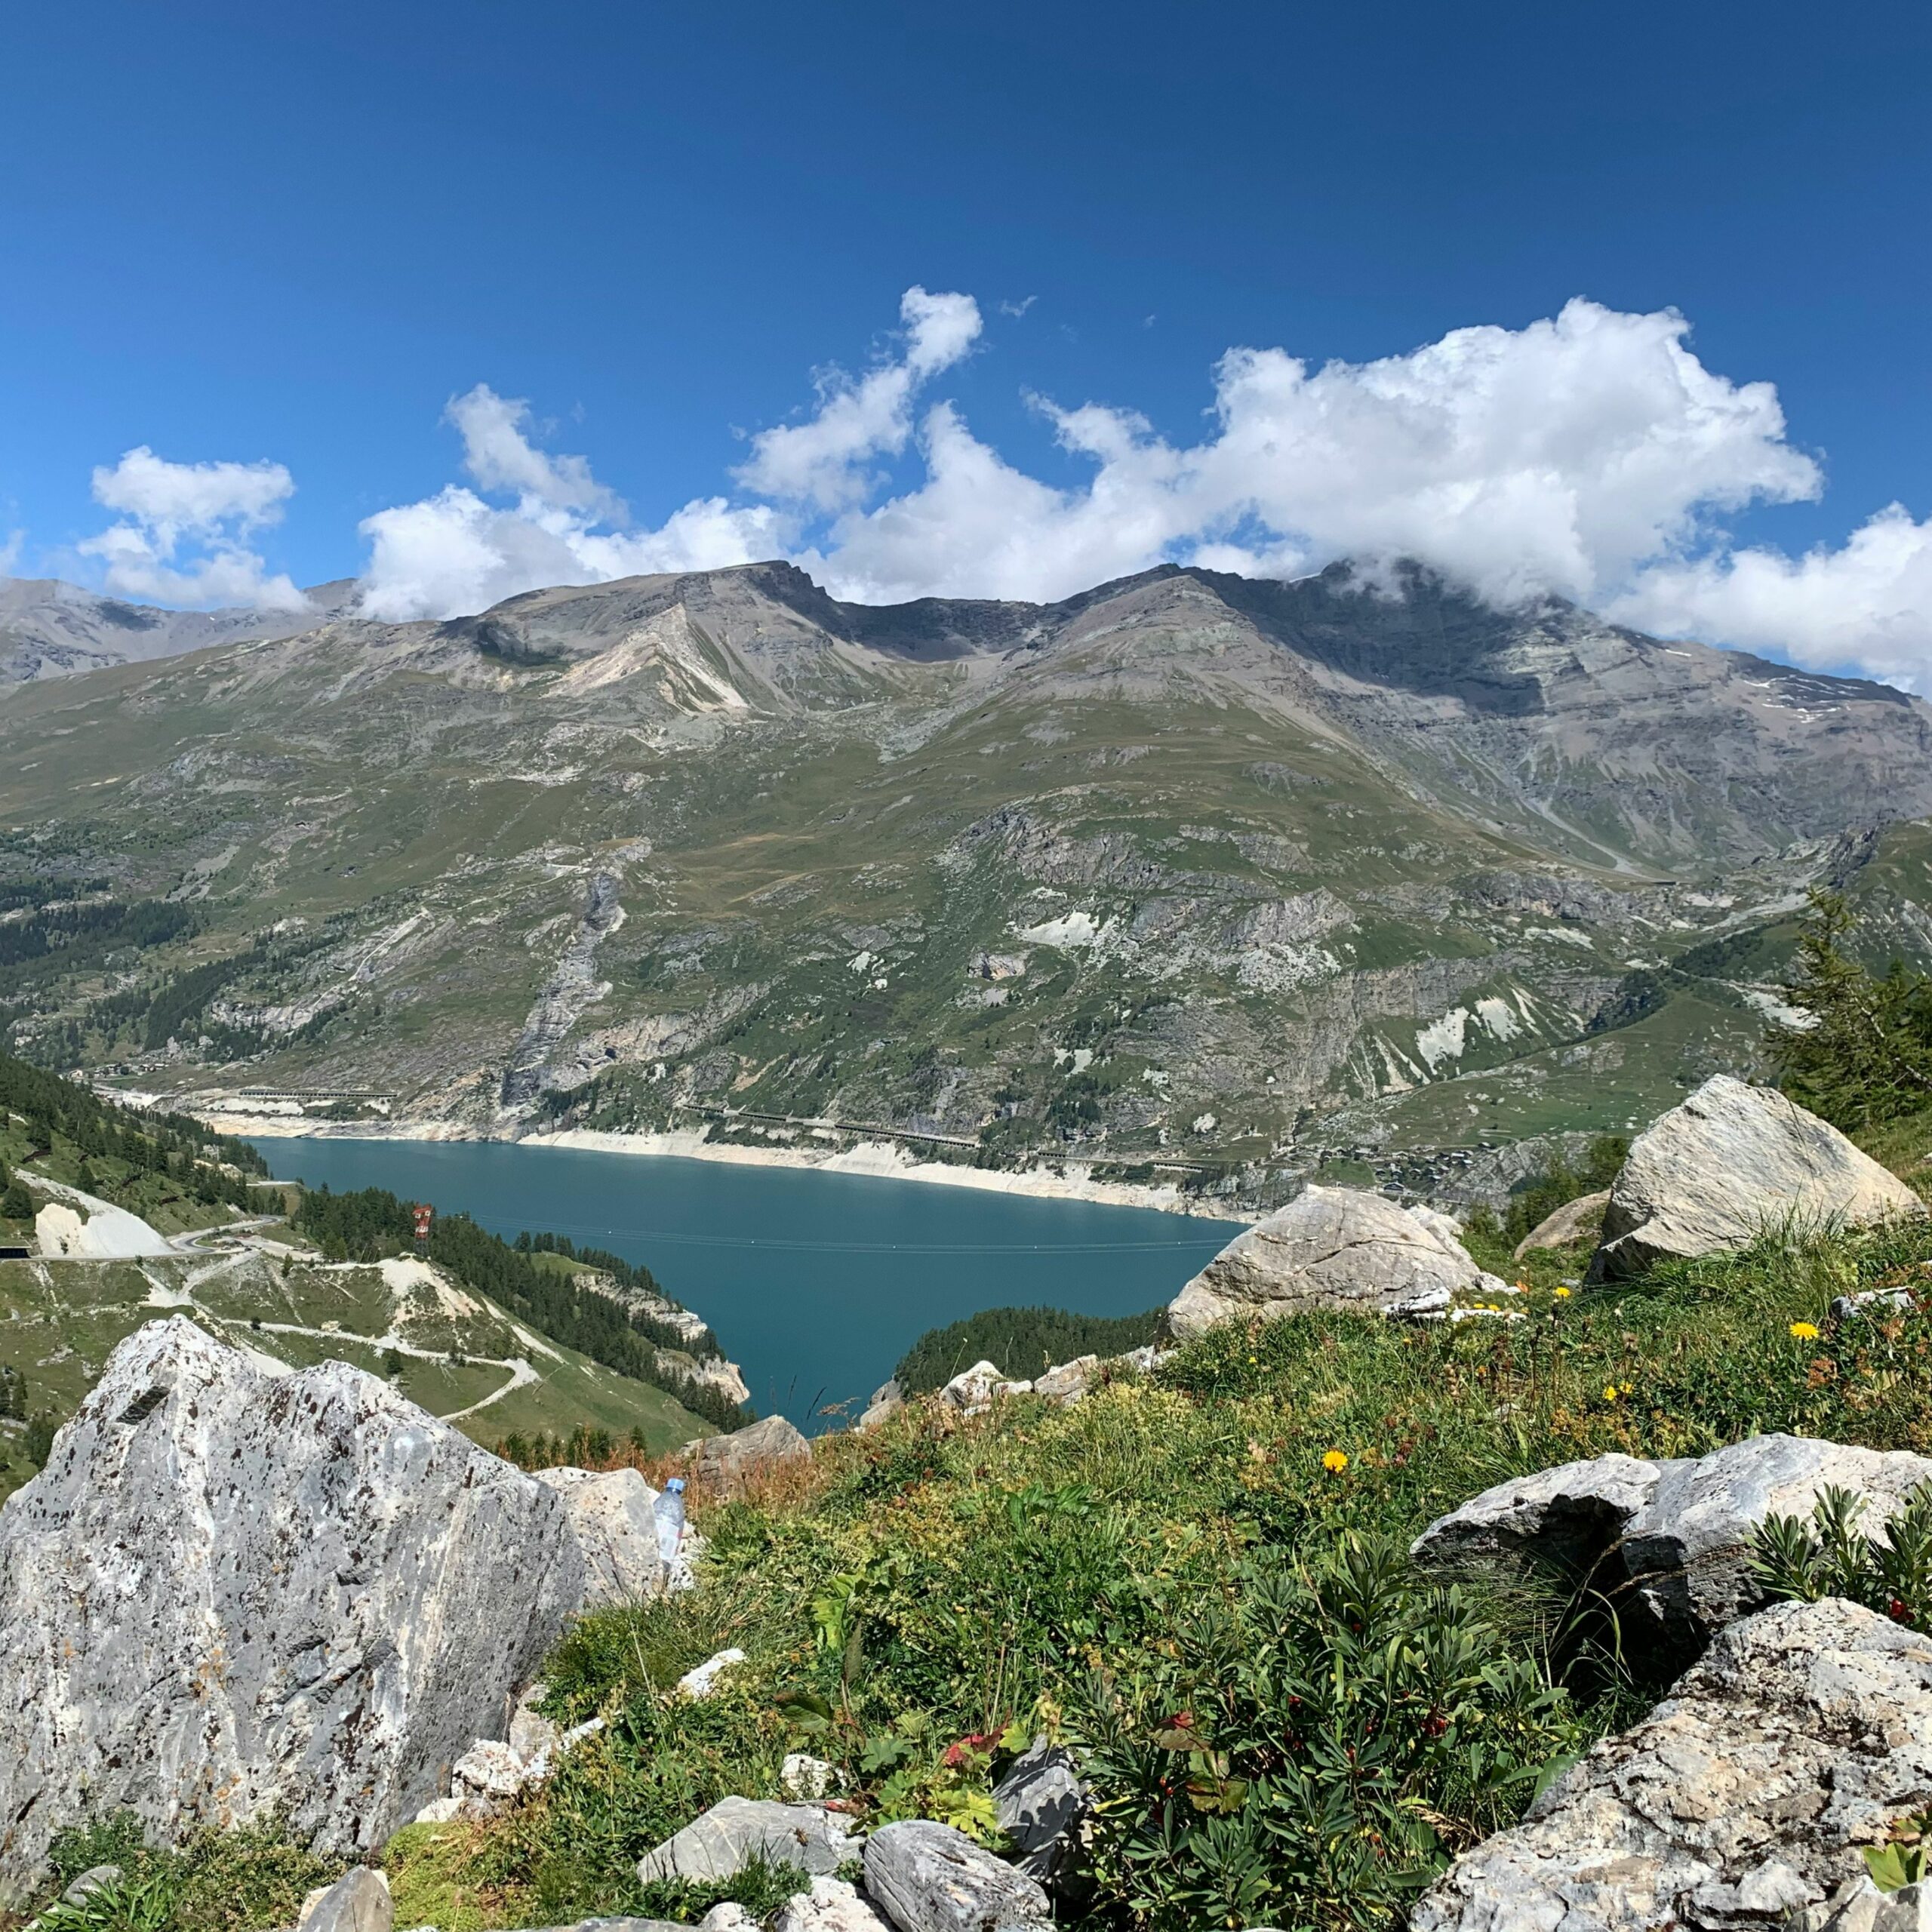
883 1160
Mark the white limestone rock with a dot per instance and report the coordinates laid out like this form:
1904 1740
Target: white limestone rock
722 1461
972 1391
373 1585
1730 1163
830 1906
702 1680
887 1400
725 1840
1670 1541
1333 1247
1740 1802
612 1515
1066 1384
928 1878
804 1776
1576 1220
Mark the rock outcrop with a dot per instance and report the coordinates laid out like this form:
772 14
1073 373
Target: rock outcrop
613 1516
929 1878
1668 1542
1741 1801
1332 1248
1041 1803
230 1594
832 1906
1730 1163
887 1400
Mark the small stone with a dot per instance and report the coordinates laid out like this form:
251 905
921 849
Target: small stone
91 1881
929 1878
1580 1220
358 1902
728 1916
725 1840
531 1733
702 1681
487 1777
831 1905
802 1776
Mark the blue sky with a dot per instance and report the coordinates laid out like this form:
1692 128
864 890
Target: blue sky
292 236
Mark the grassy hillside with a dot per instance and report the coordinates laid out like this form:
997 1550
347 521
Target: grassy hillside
1201 1577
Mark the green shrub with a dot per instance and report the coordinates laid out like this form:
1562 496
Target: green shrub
1830 1557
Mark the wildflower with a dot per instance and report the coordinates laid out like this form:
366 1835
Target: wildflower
1562 1294
1805 1331
1610 1392
1335 1462
1896 1610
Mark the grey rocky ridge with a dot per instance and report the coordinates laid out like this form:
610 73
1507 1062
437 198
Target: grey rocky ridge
1206 880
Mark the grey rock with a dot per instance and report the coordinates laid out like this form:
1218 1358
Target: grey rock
1740 1801
1732 1162
1331 1247
358 1902
532 1734
1859 1906
374 1585
887 1400
1069 1381
1041 1803
90 1881
1871 1302
1576 1220
612 1515
832 1906
735 1830
929 1878
723 1461
1669 1541
973 1390
728 1916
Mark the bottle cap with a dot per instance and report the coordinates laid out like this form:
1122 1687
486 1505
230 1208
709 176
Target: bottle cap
676 1485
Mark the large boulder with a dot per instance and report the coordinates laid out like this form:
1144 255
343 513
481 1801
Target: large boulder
1732 1162
1041 1803
723 1462
613 1515
1668 1542
1741 1801
1332 1248
231 1594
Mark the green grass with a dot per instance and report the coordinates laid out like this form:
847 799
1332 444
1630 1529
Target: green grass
1078 1571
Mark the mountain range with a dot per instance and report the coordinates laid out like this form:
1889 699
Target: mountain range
1189 875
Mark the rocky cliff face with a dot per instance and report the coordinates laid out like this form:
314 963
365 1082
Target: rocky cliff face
1187 871
231 1594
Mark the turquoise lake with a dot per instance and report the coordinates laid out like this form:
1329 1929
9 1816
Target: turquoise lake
816 1284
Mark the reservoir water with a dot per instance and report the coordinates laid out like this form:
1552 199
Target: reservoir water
816 1283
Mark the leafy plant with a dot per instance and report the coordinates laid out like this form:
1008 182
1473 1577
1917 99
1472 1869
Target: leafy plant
1901 1860
1830 1557
1310 1749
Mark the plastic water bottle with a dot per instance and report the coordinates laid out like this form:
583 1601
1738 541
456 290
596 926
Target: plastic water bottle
669 1511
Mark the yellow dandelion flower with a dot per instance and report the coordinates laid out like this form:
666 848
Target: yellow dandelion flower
1562 1294
1610 1392
1804 1331
1335 1462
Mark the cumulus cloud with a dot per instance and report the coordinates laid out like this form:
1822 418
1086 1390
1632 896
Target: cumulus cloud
1866 606
822 461
456 553
181 536
1591 454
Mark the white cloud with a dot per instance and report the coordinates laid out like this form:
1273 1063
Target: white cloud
1591 454
1866 607
819 461
455 553
181 538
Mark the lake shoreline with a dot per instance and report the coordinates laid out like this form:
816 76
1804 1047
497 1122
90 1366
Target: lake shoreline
880 1159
